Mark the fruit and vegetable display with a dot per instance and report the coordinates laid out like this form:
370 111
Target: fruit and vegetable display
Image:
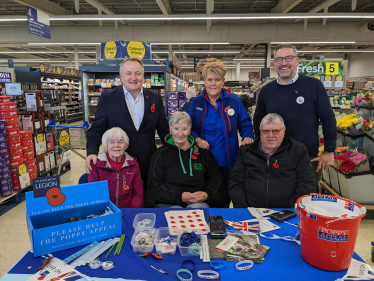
339 101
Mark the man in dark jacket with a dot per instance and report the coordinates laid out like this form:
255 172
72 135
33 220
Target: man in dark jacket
137 111
273 171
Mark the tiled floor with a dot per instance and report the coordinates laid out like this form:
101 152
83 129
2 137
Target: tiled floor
14 239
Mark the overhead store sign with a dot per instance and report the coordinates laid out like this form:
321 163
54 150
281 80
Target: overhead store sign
321 68
58 70
125 49
38 23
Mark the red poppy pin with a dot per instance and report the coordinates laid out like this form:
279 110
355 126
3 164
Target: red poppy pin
227 108
275 165
195 152
153 108
125 187
146 97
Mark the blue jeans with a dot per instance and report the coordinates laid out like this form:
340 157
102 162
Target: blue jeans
192 205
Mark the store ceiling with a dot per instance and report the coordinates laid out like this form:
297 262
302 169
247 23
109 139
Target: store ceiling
248 48
8 7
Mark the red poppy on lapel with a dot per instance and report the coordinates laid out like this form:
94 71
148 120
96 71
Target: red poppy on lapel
153 108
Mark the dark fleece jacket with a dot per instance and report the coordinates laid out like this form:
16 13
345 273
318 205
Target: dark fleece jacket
174 171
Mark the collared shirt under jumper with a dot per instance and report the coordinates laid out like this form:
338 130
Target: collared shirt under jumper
291 82
135 107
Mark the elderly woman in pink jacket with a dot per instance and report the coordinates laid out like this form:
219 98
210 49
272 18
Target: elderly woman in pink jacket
120 169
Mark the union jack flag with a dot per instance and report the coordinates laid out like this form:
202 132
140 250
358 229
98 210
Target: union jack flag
248 225
72 276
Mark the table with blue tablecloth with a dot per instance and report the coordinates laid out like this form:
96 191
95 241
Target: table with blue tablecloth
282 262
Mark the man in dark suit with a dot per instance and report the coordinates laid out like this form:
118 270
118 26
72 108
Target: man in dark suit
138 111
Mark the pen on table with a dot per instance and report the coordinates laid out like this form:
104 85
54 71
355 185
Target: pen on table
159 270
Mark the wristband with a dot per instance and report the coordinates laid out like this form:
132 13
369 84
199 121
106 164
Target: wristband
217 264
238 267
189 265
184 270
202 275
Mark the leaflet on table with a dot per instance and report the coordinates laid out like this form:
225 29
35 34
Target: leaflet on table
260 212
252 226
193 220
56 269
359 270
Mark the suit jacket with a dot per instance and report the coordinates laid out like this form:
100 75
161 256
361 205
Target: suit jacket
112 112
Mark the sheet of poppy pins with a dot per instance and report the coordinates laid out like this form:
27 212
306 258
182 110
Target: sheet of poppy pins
193 220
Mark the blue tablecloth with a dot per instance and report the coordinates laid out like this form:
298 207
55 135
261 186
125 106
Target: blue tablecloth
282 262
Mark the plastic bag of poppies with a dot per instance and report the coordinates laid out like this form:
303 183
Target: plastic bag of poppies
352 161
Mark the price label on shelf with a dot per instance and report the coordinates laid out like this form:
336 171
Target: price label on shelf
343 106
358 126
108 85
148 85
103 85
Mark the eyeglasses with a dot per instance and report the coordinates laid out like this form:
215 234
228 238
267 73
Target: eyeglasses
275 132
288 59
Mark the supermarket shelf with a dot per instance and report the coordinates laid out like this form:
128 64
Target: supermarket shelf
99 85
94 95
92 104
115 85
7 203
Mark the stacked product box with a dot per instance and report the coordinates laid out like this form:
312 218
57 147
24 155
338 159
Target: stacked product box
8 112
182 100
28 153
157 78
173 103
6 185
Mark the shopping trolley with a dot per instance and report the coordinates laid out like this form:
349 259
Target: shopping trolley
69 137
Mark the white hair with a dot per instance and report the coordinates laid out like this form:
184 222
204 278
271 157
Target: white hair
272 118
180 117
116 133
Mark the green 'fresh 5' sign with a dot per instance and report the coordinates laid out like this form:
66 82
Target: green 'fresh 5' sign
321 68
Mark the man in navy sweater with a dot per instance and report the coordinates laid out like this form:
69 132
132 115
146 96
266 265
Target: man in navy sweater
302 102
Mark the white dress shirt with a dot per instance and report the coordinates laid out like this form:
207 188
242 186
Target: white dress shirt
292 81
135 107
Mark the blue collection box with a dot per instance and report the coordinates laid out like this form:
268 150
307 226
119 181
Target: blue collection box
50 228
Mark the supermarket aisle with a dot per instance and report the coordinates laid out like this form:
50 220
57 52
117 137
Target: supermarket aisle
14 239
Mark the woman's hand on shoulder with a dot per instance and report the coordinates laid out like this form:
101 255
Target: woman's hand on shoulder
202 143
246 141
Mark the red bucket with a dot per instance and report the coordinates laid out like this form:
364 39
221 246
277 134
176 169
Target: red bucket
328 228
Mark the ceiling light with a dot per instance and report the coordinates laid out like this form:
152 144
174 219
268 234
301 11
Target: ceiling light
13 19
46 43
336 51
315 42
199 17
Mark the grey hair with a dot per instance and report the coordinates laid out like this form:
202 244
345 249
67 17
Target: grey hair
130 59
116 133
284 46
180 117
272 118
